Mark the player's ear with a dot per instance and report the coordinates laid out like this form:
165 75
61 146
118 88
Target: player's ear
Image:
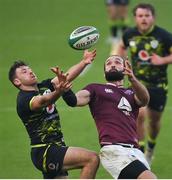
17 82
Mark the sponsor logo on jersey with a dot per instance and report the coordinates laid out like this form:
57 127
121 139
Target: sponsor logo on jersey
108 90
132 43
51 107
125 106
144 55
154 44
128 91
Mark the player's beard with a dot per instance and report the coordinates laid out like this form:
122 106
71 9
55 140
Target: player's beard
114 75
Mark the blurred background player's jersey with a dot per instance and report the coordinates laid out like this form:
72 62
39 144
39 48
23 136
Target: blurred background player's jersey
141 46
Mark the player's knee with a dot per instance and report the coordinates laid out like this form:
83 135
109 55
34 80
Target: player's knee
94 159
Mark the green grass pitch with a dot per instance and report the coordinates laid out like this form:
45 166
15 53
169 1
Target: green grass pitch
37 31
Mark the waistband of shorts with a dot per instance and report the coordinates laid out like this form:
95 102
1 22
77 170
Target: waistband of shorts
42 145
120 144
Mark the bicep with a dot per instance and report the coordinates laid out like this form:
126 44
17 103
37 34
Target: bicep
36 103
83 97
139 102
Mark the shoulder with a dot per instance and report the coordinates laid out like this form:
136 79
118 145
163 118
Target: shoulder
162 31
131 31
129 34
25 96
46 84
93 85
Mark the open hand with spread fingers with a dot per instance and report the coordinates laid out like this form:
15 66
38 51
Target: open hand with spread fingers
89 56
60 83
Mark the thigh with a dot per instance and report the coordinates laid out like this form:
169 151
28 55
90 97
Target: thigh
49 160
115 158
158 98
76 157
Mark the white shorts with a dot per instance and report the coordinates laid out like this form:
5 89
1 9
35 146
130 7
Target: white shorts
115 158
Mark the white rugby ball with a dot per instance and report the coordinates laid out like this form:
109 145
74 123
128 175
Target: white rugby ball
83 37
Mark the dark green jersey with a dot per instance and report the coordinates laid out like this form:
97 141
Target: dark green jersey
43 126
141 47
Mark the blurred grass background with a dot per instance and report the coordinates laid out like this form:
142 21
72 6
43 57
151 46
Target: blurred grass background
37 32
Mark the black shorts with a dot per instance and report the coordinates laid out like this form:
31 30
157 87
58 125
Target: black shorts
158 98
132 170
117 2
49 160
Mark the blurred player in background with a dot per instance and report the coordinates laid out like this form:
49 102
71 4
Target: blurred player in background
36 108
150 47
115 110
118 21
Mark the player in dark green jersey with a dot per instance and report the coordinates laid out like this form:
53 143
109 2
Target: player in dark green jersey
150 47
37 109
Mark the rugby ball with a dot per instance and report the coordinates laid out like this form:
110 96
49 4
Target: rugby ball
83 37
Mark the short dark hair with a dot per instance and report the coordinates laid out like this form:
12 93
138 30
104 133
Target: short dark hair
144 6
12 71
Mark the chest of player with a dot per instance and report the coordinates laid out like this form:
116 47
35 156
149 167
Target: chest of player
111 97
144 46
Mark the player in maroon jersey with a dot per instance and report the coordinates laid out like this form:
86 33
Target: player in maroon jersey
115 110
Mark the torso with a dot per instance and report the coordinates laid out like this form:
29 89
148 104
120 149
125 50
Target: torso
43 126
141 47
115 112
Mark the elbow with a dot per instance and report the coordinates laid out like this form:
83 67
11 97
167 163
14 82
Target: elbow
145 100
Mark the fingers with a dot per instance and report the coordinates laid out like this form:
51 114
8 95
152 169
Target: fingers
128 64
56 70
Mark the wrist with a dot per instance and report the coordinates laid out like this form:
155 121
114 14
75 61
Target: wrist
132 79
83 62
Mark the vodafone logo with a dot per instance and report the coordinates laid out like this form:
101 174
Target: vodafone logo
51 107
143 55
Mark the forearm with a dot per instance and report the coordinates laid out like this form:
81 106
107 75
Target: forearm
44 100
75 70
50 98
70 98
167 59
140 91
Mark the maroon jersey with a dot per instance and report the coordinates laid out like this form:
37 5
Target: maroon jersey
115 112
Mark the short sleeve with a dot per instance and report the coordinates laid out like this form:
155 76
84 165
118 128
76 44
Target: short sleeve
91 89
168 42
24 102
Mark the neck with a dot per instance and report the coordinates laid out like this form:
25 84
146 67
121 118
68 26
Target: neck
146 31
116 83
29 88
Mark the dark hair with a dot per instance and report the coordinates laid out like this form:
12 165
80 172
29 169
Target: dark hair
12 71
144 6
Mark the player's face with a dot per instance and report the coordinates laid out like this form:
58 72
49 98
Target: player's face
25 76
144 20
114 67
114 63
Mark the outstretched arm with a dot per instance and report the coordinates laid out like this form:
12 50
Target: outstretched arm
141 93
81 98
40 101
75 70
